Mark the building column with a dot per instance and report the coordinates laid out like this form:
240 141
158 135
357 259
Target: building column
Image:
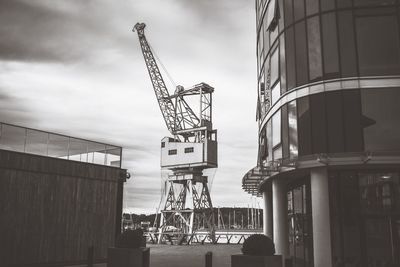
280 226
267 213
321 218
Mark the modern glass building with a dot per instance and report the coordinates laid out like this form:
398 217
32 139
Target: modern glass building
328 110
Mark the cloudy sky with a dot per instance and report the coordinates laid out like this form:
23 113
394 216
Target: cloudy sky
75 67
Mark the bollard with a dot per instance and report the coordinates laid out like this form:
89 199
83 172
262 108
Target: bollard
90 256
209 259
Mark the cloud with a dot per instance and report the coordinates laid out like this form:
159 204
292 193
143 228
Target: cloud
75 67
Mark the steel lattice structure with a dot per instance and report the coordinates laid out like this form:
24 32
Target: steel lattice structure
193 148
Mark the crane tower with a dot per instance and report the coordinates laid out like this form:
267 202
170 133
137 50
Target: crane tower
190 150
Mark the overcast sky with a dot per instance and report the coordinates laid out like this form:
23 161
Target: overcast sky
75 67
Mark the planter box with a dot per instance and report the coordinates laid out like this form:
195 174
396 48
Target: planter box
128 257
256 261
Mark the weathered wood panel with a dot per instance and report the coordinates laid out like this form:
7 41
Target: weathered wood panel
52 210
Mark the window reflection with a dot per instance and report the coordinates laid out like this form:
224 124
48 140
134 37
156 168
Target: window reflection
290 59
304 126
285 132
334 119
292 119
269 140
330 47
301 53
314 48
58 146
276 128
348 61
274 66
318 123
298 7
12 138
381 122
378 49
21 139
300 228
275 93
312 7
36 142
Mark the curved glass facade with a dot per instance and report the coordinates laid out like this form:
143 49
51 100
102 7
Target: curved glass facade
329 130
334 122
304 42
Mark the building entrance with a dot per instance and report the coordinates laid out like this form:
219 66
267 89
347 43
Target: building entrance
382 241
379 193
300 224
365 218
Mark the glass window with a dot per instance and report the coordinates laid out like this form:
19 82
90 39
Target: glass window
312 6
374 2
380 119
274 66
344 3
282 63
378 49
263 148
269 139
292 121
288 12
290 59
266 36
96 153
329 41
273 35
300 226
334 119
327 5
113 156
78 150
262 48
277 152
276 128
12 138
58 146
272 15
301 54
285 132
314 48
345 219
347 44
318 123
304 126
352 121
298 6
275 93
36 142
189 149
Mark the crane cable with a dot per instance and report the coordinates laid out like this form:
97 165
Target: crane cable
162 66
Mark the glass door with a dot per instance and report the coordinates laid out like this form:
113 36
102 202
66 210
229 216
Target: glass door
379 194
300 225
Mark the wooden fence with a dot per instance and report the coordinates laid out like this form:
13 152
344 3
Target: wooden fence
53 210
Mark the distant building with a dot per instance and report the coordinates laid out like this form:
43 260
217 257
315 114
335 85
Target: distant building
329 130
59 196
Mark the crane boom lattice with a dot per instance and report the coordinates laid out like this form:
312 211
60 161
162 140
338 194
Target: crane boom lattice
193 148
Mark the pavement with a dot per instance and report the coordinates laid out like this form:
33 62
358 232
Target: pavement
188 256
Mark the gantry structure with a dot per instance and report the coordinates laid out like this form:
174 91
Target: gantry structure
191 148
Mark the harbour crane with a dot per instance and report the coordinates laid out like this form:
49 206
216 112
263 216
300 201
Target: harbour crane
190 150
